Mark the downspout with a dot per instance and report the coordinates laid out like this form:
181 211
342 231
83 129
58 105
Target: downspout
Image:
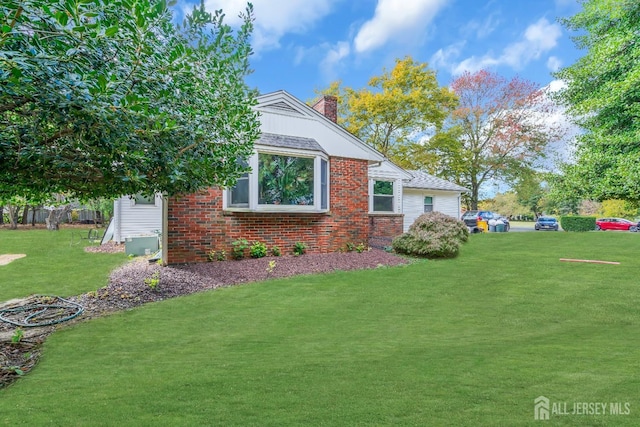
117 213
165 229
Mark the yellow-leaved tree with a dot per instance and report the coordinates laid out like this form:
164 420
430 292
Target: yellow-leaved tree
396 111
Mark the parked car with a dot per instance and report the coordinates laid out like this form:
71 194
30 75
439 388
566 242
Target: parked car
471 218
546 223
616 224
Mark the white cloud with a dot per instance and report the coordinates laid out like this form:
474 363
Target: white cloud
396 19
482 29
273 18
443 58
554 63
334 55
538 38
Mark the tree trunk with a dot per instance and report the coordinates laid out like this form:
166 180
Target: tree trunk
1 215
55 217
13 216
33 216
25 215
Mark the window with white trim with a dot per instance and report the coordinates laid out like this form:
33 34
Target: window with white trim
292 180
239 193
141 200
383 196
428 204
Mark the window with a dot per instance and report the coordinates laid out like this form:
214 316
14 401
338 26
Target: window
239 193
383 196
428 204
139 199
282 181
285 180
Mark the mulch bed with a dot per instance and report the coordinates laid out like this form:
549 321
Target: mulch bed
140 282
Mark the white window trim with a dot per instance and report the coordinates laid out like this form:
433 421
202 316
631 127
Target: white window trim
397 195
156 202
433 202
254 206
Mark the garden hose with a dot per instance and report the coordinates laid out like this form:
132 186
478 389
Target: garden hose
43 311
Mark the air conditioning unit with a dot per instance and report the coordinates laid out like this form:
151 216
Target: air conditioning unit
141 245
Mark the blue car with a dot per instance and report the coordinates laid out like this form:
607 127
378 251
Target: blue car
547 223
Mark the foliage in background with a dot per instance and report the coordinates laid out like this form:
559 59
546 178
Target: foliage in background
397 109
99 99
578 223
619 209
506 204
500 128
432 235
603 95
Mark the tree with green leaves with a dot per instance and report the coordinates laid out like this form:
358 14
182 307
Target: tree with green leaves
397 109
102 98
603 94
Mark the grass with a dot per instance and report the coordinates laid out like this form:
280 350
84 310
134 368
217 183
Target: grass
55 263
469 341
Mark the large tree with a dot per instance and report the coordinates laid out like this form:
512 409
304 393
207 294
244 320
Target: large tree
603 93
500 126
397 109
109 97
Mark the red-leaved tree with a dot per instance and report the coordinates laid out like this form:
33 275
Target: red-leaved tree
500 127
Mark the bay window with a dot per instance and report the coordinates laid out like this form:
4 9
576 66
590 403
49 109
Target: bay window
282 180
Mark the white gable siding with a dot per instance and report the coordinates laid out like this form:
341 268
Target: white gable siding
135 220
334 141
443 201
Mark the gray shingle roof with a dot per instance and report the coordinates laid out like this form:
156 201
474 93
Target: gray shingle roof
287 141
424 180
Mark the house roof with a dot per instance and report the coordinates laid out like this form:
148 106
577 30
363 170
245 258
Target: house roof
423 180
287 141
285 104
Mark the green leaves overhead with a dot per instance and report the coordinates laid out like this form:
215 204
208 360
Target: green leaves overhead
102 98
603 94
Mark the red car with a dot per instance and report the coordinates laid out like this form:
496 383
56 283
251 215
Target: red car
616 224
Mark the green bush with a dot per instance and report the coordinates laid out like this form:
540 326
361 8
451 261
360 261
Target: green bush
258 250
299 248
578 223
432 235
238 248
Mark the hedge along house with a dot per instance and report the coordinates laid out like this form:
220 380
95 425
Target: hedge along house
311 181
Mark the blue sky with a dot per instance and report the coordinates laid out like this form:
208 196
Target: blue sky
302 45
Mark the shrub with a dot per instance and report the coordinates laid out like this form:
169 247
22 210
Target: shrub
578 223
258 250
239 247
299 248
275 251
432 235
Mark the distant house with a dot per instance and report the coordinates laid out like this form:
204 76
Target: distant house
311 181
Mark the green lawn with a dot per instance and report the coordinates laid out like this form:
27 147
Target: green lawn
56 263
470 341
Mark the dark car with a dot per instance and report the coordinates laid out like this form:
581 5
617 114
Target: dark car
471 218
546 223
616 224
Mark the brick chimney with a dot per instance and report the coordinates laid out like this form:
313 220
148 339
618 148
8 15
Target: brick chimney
327 105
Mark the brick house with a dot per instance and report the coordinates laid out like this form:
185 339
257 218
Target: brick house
311 181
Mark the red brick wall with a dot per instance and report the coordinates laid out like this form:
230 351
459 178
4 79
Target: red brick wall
381 225
197 223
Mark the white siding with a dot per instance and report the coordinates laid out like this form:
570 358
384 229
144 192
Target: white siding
335 141
447 202
136 220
